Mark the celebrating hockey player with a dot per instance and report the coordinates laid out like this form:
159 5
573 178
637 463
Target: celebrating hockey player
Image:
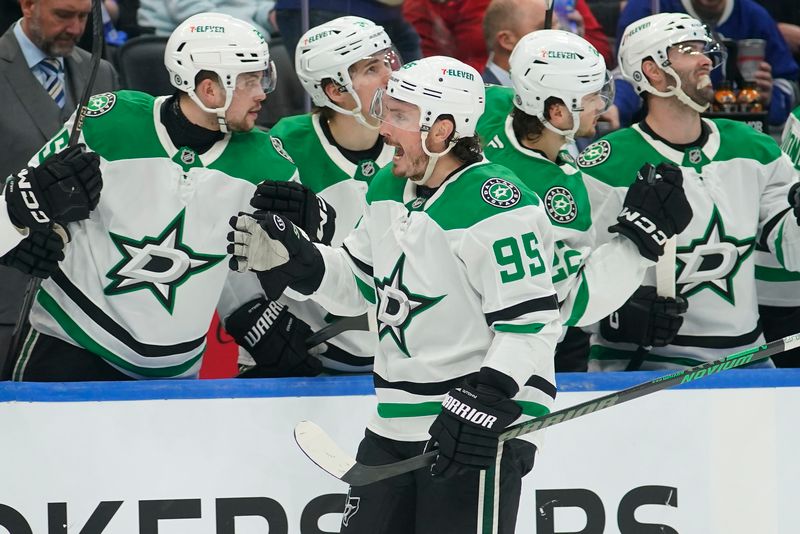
737 182
142 276
557 96
455 255
337 148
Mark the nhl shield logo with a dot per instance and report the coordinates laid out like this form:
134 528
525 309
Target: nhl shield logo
187 156
695 155
499 192
367 168
560 205
595 154
100 104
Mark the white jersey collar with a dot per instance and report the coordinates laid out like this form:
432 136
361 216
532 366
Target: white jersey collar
336 156
709 149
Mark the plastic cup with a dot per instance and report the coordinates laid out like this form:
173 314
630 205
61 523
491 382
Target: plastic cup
750 54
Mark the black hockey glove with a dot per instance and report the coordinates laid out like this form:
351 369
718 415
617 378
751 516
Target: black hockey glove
279 253
655 209
275 339
794 200
468 428
645 319
300 205
64 188
37 255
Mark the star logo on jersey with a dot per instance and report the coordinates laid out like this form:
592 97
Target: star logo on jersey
712 261
560 205
595 154
100 104
500 193
157 264
397 306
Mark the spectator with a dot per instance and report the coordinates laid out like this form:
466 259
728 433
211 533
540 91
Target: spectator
337 148
787 15
732 19
165 15
39 51
387 14
737 181
555 98
451 28
143 275
505 23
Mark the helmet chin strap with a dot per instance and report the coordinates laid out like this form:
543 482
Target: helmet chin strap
356 112
569 134
219 112
678 92
433 157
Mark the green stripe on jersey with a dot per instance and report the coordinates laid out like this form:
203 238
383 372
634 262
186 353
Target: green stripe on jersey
366 290
532 328
739 140
87 342
773 274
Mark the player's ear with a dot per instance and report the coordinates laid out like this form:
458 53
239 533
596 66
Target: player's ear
210 92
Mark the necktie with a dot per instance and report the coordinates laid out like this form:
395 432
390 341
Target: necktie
53 82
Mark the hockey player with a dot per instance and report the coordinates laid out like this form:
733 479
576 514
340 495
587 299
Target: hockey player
737 182
455 255
779 289
556 96
337 148
142 276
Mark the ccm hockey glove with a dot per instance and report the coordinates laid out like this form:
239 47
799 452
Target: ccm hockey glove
794 200
468 428
275 339
645 319
655 209
300 205
279 253
64 188
38 254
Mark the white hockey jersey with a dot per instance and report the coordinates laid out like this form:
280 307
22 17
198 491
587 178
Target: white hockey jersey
459 281
776 285
142 276
591 280
10 237
342 184
737 183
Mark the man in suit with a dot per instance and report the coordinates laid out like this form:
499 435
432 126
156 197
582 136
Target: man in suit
505 23
42 77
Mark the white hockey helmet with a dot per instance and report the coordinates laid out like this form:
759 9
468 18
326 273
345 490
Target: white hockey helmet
651 38
437 86
328 51
558 64
221 44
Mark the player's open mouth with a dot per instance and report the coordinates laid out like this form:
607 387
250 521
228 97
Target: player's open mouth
398 153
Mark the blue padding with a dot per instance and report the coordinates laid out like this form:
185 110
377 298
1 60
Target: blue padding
345 385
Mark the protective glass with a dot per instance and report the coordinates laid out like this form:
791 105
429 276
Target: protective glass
253 82
378 65
394 112
601 100
713 49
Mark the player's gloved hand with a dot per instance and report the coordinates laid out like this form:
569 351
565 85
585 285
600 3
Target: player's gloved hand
38 254
280 254
275 339
300 205
467 430
655 209
794 200
64 188
645 319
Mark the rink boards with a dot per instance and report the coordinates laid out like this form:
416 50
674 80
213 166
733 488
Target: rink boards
207 457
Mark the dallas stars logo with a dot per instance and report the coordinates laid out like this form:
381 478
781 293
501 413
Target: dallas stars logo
100 104
397 306
500 193
712 261
158 264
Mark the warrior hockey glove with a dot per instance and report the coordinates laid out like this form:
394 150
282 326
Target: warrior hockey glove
279 253
794 200
468 428
64 188
37 255
300 205
275 339
655 209
645 319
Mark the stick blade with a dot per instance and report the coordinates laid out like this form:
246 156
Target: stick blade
322 450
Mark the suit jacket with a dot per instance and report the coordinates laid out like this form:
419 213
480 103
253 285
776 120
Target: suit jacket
489 77
30 117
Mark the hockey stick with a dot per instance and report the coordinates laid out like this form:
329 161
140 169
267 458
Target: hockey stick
321 449
548 15
337 327
15 346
